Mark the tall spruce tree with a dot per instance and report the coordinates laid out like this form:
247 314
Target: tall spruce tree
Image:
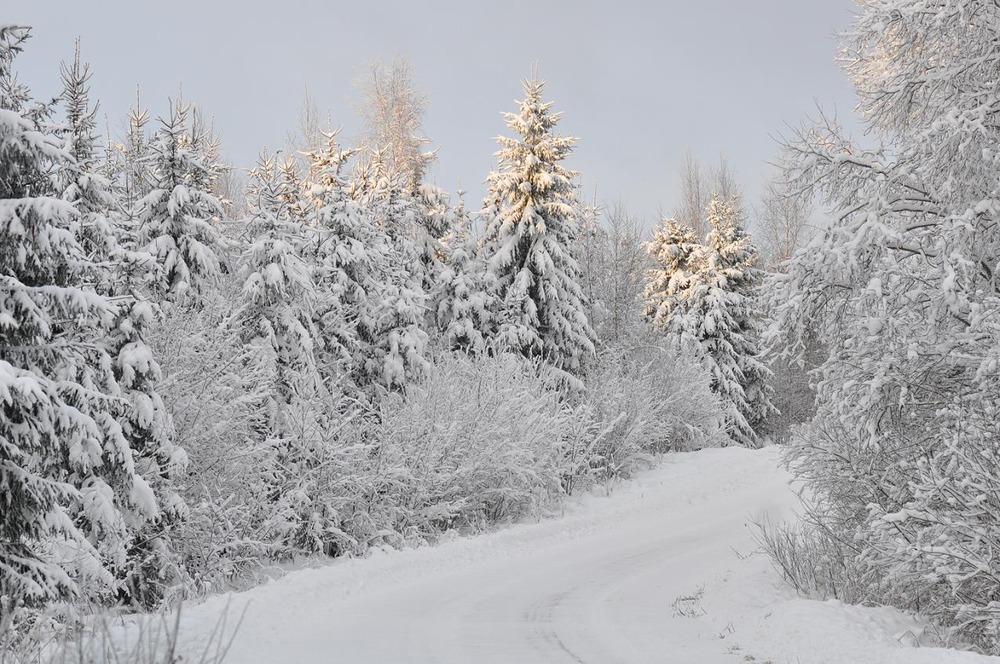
68 477
705 296
530 230
144 421
177 218
280 296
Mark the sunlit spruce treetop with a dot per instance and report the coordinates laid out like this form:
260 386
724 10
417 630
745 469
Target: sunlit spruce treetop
530 228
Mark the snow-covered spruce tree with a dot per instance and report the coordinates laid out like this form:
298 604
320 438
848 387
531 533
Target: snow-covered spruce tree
278 289
177 218
674 251
463 297
530 228
145 422
81 183
127 167
903 291
737 319
416 219
435 220
372 305
706 296
67 474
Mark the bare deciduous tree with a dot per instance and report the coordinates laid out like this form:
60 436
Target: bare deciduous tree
393 110
699 187
783 223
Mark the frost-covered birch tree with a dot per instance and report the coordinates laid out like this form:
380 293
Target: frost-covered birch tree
903 291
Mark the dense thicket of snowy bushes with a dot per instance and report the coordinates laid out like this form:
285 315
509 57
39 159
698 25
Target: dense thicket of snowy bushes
480 441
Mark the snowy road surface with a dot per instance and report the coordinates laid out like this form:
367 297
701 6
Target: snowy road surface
660 571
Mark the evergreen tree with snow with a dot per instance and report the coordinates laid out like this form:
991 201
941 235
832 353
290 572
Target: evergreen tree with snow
372 305
705 296
667 283
280 296
81 182
435 220
736 319
127 167
463 297
416 218
530 230
71 495
177 221
144 422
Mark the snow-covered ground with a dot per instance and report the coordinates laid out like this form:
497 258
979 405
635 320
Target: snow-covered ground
663 570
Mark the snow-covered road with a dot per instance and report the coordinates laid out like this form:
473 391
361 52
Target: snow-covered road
660 571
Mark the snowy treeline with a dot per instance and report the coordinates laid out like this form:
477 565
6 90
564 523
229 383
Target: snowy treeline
901 460
188 397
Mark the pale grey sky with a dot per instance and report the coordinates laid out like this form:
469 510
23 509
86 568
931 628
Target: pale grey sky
639 81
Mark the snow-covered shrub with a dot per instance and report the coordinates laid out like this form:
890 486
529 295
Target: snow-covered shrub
212 386
938 548
647 401
794 398
478 441
157 639
320 475
816 560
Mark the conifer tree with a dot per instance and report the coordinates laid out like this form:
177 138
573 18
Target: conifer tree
463 298
68 477
705 297
177 218
280 296
372 305
128 166
667 283
529 234
435 220
81 183
735 319
145 422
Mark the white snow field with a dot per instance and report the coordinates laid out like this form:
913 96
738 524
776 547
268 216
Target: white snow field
660 571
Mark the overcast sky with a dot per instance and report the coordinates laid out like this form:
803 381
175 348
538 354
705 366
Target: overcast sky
639 82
